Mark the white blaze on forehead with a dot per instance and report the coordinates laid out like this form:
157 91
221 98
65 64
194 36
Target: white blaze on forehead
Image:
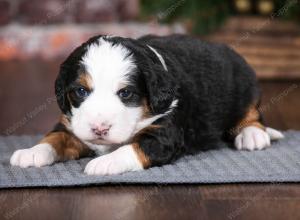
108 64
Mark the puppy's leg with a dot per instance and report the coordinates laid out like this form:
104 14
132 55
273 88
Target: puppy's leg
252 134
126 158
147 149
56 146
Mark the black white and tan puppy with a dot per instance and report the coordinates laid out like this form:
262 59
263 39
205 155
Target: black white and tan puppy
146 102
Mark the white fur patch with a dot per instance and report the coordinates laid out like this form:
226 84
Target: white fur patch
122 160
99 149
274 134
148 121
109 67
108 62
37 156
161 59
252 138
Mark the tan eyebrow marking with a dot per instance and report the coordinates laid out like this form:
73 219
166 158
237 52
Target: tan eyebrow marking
85 80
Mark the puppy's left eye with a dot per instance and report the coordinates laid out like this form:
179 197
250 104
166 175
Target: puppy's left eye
81 92
124 94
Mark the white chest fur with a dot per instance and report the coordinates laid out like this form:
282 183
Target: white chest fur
100 149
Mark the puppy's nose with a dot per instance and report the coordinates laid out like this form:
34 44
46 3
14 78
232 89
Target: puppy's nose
101 130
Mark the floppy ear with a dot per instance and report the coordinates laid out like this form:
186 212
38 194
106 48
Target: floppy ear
67 74
60 91
161 89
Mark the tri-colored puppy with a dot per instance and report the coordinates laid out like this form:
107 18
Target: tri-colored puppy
146 102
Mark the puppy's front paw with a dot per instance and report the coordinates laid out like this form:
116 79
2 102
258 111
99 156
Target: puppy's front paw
252 138
122 160
104 165
37 156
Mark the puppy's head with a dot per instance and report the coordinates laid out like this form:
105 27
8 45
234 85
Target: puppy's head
111 88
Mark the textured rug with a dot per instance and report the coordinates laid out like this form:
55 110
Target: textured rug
280 163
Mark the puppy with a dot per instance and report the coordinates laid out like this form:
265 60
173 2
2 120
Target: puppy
145 102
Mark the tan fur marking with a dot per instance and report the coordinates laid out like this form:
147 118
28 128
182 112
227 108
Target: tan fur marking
146 109
147 114
251 119
85 80
64 120
66 145
144 159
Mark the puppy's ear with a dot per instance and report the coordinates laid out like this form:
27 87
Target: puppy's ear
68 73
161 89
60 91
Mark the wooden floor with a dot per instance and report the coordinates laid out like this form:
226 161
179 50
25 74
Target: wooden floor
27 107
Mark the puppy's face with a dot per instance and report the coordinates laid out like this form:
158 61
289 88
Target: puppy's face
104 92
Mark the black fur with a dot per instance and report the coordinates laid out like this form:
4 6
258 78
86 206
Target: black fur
214 87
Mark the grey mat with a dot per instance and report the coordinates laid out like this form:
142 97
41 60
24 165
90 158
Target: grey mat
281 163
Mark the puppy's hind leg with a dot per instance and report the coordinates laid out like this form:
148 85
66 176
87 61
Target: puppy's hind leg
252 134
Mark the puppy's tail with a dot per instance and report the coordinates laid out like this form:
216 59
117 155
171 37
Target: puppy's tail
274 134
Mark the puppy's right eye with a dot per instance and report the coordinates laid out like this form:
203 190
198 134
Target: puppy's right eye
81 92
125 94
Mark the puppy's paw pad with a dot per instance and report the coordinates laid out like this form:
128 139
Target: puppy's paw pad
252 138
37 156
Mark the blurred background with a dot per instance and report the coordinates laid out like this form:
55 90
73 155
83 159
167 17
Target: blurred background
36 36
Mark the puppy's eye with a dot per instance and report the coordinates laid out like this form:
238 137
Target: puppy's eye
125 94
81 92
